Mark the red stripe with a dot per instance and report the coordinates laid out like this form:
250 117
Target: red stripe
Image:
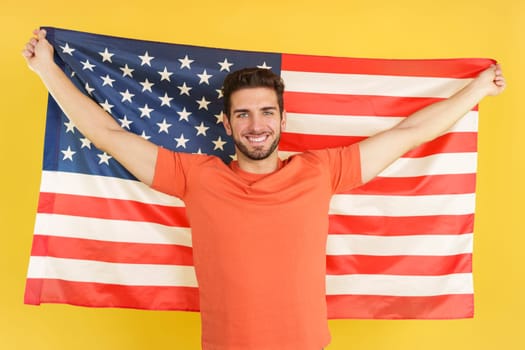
454 142
116 209
450 68
419 185
398 265
357 105
117 252
111 295
401 225
394 307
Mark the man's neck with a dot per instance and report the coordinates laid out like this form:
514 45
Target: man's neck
262 166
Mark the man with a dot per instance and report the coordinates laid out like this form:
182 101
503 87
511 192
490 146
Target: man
259 228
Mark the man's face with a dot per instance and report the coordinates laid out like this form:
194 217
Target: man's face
255 122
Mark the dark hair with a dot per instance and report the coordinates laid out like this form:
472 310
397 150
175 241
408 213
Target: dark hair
251 78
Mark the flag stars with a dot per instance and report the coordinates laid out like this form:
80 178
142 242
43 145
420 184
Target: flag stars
181 141
201 129
165 100
70 127
107 80
164 126
203 103
144 136
106 55
85 143
126 71
88 89
184 115
184 89
219 117
68 153
165 75
219 143
219 93
104 158
185 62
107 106
127 96
125 123
146 59
146 85
204 78
145 111
67 50
87 65
264 66
225 65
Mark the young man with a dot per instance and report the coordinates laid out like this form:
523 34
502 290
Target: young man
259 229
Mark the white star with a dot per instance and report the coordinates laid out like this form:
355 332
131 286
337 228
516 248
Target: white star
165 100
185 62
204 78
68 154
184 89
165 75
106 55
144 136
89 89
66 49
126 96
201 129
125 123
219 93
163 126
126 71
146 59
106 106
225 65
184 115
87 65
220 117
70 127
107 80
218 144
104 158
146 85
145 111
199 151
264 66
85 143
203 103
181 141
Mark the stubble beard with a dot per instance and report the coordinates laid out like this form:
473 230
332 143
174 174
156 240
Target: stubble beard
257 153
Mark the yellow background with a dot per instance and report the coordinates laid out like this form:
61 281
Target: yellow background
385 29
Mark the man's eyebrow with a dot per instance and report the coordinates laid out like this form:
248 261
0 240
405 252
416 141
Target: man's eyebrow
241 110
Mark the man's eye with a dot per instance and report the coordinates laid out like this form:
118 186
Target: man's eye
242 115
268 113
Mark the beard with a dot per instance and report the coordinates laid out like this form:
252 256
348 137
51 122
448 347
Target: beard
257 153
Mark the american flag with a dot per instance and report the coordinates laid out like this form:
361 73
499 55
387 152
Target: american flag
398 247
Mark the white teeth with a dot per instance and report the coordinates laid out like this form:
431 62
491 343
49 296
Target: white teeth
257 139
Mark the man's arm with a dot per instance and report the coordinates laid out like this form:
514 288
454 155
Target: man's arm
379 151
132 151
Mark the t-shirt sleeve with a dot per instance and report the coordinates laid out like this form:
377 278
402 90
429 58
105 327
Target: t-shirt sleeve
169 174
345 165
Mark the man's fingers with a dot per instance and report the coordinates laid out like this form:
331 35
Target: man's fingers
41 34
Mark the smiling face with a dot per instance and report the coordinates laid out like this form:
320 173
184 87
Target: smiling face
255 122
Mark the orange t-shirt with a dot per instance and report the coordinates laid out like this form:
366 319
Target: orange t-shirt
259 244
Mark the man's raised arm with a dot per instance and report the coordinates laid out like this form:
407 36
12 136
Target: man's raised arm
379 151
132 151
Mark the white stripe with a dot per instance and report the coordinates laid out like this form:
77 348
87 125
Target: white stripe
396 285
110 230
437 164
436 245
111 273
344 125
104 187
365 84
351 204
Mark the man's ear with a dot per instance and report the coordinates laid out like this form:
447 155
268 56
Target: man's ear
283 120
227 126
